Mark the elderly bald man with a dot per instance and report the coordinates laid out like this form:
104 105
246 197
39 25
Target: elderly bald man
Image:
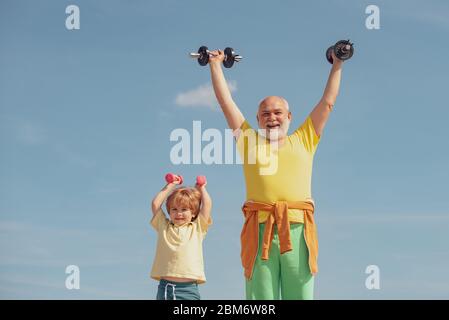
279 245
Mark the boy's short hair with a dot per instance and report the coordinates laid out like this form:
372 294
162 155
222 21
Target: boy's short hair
185 196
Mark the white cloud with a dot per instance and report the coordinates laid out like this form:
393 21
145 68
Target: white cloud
203 96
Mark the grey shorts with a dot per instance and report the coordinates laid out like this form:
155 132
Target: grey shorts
171 290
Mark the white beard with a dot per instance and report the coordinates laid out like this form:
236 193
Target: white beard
276 134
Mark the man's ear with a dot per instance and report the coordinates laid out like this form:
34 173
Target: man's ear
289 115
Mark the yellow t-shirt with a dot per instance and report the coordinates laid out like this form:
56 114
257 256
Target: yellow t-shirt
278 174
179 251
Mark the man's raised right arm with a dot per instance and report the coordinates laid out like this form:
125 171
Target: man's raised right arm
232 113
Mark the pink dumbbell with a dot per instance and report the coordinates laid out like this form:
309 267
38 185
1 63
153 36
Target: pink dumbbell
201 180
170 178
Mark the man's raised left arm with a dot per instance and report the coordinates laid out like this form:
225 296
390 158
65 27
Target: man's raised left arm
322 110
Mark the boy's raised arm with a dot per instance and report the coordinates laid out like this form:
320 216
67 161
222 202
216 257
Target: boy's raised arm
159 199
322 110
232 113
206 206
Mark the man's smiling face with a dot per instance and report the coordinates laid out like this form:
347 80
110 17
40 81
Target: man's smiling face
274 117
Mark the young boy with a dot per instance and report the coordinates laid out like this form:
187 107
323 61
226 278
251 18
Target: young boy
178 263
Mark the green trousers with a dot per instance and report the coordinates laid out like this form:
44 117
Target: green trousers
283 276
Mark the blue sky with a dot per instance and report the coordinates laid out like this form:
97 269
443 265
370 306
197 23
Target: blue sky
86 115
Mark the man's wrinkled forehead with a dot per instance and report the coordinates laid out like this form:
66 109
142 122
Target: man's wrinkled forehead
273 102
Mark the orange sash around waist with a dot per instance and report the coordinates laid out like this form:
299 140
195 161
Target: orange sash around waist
279 215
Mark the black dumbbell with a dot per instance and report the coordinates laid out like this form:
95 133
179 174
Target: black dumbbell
203 56
343 50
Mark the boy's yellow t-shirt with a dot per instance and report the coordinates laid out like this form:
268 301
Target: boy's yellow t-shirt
278 174
179 251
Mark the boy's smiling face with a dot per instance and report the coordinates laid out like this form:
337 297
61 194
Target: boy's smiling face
274 117
180 214
183 205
